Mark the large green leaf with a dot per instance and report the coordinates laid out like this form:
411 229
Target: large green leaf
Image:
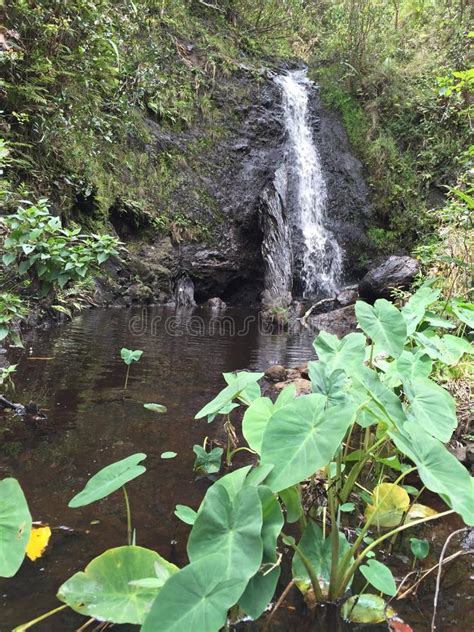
385 406
255 421
109 479
196 598
412 365
432 407
262 585
414 310
464 311
302 437
15 526
107 591
231 527
251 391
385 325
448 348
335 353
238 383
258 415
318 550
439 470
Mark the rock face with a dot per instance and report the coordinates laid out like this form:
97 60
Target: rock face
395 272
235 241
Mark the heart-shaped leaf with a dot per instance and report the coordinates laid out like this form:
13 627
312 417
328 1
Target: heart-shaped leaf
419 548
198 597
366 608
15 526
238 383
384 324
335 353
109 479
185 514
207 462
302 437
432 407
389 504
130 355
380 576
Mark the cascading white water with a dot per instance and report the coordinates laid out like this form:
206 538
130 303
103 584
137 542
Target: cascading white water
321 267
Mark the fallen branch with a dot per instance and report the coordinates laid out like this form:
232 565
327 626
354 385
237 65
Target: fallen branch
282 598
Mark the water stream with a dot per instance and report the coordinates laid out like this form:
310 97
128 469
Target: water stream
75 373
321 260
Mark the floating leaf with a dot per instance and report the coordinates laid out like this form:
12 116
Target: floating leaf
156 408
168 455
129 355
109 479
385 325
380 577
366 608
15 526
389 503
185 514
39 539
419 548
106 589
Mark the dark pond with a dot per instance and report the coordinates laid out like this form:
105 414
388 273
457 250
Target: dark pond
75 373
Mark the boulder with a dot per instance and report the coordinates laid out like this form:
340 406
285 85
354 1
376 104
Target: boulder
339 321
303 387
347 296
276 373
216 303
395 272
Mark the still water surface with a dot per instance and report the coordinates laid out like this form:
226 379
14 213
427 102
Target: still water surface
75 373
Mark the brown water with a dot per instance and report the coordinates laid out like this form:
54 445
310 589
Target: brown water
76 375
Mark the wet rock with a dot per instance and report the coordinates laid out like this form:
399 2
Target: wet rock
139 293
276 373
339 322
184 293
303 387
303 370
216 303
347 296
395 272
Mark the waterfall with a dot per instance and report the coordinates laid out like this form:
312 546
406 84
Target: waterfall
320 261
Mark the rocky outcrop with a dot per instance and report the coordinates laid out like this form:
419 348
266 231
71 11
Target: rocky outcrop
394 273
338 321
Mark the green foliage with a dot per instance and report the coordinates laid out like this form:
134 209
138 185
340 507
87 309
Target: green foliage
111 586
12 309
39 246
109 479
129 356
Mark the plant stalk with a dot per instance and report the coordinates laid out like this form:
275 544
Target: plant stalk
129 516
30 624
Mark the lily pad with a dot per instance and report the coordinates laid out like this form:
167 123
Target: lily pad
15 526
169 455
109 479
107 590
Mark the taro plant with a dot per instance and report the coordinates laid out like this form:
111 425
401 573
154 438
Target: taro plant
108 480
331 483
129 356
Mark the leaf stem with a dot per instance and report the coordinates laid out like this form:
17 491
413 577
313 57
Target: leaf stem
129 516
30 624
